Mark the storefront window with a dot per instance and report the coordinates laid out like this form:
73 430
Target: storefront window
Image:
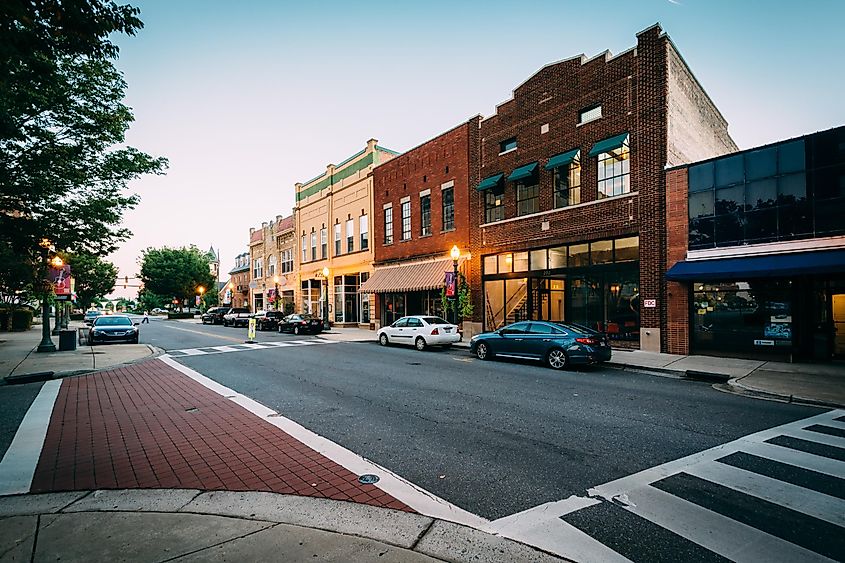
627 249
579 255
494 304
602 251
520 261
490 264
557 257
538 259
505 263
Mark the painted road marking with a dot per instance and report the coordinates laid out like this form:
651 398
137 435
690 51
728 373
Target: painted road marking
18 465
243 347
539 526
419 499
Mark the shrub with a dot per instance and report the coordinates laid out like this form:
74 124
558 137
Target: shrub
180 315
22 319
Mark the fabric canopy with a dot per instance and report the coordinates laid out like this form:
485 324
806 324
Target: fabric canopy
413 276
608 144
563 159
522 172
770 266
489 182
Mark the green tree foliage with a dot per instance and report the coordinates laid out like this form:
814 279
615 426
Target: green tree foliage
176 272
147 300
93 276
64 167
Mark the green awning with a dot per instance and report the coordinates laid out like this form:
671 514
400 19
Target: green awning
522 172
608 144
489 182
563 159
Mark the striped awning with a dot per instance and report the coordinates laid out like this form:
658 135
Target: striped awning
413 276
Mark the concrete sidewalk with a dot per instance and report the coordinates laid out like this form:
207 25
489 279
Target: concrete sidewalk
19 358
192 525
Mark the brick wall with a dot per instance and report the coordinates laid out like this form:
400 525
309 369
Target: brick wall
425 168
677 293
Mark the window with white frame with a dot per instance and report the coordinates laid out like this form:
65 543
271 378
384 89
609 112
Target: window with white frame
406 220
364 231
448 203
425 215
271 266
304 249
324 243
258 268
287 261
350 235
567 183
313 244
388 225
337 239
615 171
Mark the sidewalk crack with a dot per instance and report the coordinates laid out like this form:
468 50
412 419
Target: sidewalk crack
35 539
218 544
422 534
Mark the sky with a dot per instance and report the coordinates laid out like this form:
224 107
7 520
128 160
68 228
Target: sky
247 98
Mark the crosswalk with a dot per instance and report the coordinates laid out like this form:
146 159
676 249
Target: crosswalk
776 495
205 350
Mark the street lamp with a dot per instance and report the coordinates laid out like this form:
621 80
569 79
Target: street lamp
326 297
455 253
46 344
276 292
200 293
231 294
56 262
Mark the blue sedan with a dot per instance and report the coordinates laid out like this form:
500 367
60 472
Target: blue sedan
556 344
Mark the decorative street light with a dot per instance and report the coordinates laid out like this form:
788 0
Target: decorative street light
200 294
276 292
231 293
46 344
455 253
326 297
56 262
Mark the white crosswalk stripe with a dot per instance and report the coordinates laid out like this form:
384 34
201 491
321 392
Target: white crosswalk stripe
724 526
205 350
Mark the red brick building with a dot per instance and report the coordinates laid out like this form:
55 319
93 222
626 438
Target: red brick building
421 210
569 209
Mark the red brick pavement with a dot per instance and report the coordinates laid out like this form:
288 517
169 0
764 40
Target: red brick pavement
150 426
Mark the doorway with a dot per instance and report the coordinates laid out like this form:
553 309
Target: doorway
838 301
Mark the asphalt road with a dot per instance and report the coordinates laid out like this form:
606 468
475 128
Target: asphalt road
494 438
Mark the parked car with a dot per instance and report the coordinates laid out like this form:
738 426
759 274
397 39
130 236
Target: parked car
298 324
237 316
90 316
268 320
420 331
214 315
159 311
113 328
556 344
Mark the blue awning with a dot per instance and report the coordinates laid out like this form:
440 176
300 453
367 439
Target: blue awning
489 182
563 159
522 172
770 266
608 144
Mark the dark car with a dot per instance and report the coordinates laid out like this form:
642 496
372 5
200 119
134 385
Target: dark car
556 344
91 316
298 324
113 328
214 316
268 320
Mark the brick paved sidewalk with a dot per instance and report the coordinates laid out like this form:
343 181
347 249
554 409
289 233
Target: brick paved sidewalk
150 426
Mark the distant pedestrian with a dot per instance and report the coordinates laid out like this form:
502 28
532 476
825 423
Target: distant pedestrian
146 317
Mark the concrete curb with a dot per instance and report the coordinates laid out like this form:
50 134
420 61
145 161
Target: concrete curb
407 531
737 388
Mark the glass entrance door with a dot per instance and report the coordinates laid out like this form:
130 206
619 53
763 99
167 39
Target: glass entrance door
838 301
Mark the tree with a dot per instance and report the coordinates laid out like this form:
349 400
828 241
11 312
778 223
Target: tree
176 272
15 281
147 300
63 164
93 276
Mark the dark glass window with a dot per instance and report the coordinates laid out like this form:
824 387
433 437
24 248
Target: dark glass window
730 200
388 225
567 184
829 148
729 170
761 163
791 157
527 195
494 204
406 220
701 204
425 215
448 196
507 144
700 177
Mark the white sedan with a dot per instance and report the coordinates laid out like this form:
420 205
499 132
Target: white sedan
419 331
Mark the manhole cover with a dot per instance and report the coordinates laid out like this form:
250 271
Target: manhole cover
368 479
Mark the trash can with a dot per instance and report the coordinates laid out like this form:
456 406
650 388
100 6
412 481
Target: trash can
67 340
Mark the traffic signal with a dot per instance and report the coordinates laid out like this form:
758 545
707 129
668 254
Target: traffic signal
125 281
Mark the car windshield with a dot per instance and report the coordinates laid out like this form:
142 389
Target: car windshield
436 321
92 314
113 321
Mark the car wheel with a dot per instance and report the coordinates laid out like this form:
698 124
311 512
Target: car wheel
382 339
419 343
556 358
296 330
482 352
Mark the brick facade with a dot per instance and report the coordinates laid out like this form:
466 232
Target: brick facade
677 234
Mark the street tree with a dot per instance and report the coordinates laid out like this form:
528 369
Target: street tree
147 300
64 165
176 272
94 277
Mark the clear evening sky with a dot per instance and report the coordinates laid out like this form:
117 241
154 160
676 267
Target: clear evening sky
247 98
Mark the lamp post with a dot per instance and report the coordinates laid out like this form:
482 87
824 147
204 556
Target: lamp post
326 297
276 292
46 344
56 262
455 253
201 294
231 294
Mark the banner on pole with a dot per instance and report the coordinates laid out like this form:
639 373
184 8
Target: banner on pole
450 284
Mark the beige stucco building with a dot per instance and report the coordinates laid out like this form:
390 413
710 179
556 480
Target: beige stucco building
272 252
334 230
